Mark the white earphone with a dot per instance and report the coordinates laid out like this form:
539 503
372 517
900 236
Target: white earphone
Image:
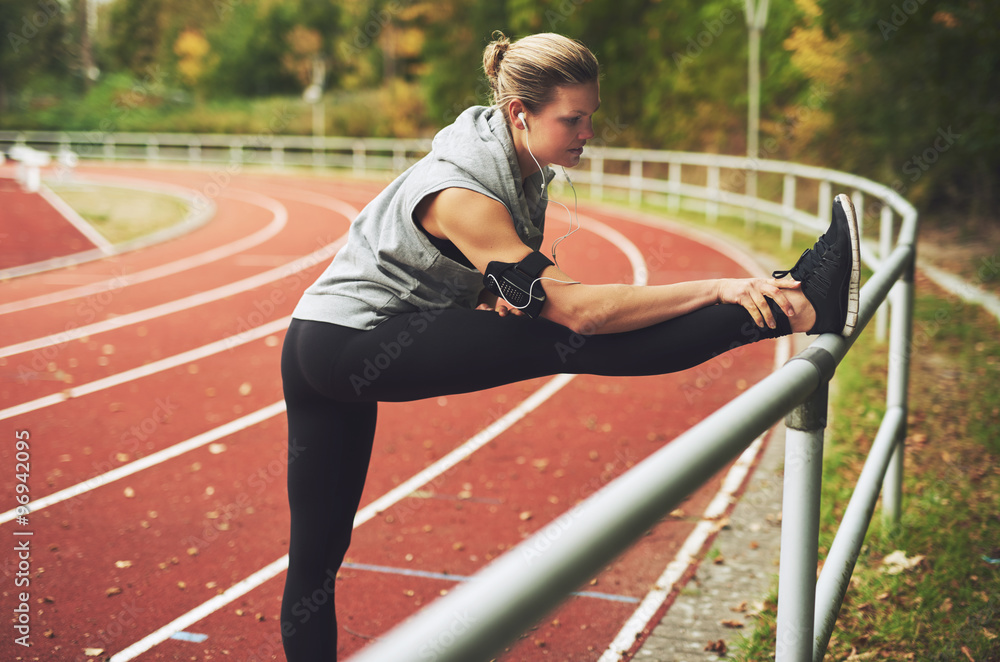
541 191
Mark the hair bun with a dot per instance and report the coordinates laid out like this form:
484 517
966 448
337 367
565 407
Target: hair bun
494 54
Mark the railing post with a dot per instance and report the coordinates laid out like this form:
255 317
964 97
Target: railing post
898 380
674 186
884 248
800 527
635 181
788 203
277 153
712 205
359 161
597 177
825 201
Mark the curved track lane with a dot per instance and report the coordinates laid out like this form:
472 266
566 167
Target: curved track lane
149 385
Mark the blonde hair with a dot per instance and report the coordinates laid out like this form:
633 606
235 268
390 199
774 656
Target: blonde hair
532 67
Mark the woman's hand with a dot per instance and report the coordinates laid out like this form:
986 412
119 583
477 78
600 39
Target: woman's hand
489 301
752 294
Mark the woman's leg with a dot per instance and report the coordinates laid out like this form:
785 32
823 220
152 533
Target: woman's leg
333 377
422 355
329 446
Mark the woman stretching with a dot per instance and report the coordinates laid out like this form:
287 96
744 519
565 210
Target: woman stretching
444 269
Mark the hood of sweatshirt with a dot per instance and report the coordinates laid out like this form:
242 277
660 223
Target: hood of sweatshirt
479 143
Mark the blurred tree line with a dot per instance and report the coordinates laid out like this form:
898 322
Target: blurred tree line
903 91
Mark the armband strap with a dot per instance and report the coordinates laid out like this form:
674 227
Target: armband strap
518 283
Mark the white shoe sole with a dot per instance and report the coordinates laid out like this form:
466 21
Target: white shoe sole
854 290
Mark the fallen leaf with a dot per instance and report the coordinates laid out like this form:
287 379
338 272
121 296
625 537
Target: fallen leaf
525 516
898 562
989 635
114 590
740 608
965 651
718 646
93 652
123 564
731 624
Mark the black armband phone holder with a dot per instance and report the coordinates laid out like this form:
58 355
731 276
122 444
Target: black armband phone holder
518 283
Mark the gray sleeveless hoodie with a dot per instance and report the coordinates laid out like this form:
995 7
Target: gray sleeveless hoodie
388 265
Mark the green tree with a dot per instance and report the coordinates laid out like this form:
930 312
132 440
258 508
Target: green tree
35 45
920 99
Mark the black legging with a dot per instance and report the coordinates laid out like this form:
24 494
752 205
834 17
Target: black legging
334 376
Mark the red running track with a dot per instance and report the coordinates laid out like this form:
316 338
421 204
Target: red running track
148 390
31 229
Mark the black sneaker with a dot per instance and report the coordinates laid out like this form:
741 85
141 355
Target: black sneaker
830 272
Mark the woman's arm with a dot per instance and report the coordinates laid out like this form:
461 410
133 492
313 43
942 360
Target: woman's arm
481 228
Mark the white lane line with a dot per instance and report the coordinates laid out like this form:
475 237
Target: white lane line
198 441
275 568
278 222
178 305
148 369
445 577
77 221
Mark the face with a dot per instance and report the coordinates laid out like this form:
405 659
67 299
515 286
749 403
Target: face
558 133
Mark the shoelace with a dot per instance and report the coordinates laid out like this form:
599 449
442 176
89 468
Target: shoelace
810 260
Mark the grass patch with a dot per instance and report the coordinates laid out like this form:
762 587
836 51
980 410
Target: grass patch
948 606
122 214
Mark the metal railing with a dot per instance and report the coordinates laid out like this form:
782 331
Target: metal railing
476 619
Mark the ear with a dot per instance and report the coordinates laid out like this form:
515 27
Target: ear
514 108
